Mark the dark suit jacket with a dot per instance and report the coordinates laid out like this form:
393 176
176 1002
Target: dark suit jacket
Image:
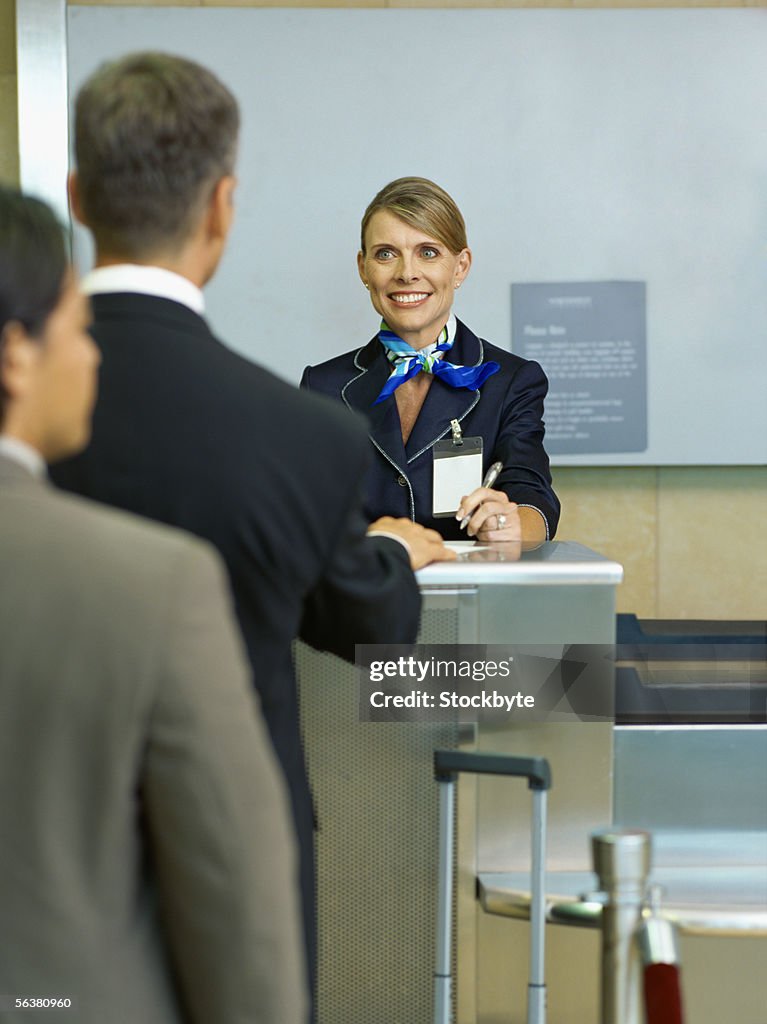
148 866
507 412
190 433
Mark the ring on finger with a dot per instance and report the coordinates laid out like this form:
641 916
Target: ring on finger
501 520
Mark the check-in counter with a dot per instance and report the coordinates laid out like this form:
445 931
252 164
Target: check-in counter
563 594
377 815
377 802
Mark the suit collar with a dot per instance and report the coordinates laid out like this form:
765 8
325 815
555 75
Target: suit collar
442 403
128 306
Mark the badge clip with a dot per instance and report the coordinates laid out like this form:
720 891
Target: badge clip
455 426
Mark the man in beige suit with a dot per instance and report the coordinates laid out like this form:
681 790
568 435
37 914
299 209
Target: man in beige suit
147 863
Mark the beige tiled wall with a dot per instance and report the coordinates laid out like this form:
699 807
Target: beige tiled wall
692 540
712 548
614 511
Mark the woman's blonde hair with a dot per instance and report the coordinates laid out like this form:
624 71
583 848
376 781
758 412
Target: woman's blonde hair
422 204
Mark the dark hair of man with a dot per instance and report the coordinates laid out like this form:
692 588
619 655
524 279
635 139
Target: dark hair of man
154 133
33 264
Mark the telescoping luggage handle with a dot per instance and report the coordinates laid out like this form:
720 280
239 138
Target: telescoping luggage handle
447 765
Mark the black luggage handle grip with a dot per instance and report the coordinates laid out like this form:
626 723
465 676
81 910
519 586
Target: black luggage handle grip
448 763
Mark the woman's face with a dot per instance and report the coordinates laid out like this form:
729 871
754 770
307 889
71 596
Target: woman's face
61 379
411 277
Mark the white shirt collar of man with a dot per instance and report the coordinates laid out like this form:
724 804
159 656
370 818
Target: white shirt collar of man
132 277
19 451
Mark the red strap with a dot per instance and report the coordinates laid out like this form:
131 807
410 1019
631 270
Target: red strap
663 994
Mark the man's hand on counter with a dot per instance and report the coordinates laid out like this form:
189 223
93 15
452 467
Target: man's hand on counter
424 545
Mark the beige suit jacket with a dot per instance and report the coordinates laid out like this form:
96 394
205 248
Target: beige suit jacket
147 865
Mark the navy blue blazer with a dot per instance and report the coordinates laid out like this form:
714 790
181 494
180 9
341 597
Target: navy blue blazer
507 412
188 432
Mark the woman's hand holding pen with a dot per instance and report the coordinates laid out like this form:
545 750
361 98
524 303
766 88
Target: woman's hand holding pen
489 516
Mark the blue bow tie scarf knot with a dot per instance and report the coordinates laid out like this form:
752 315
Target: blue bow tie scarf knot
409 361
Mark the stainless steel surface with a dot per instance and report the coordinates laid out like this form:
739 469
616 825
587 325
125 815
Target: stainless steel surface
723 900
710 848
580 755
548 614
694 777
43 115
580 800
377 806
562 563
621 858
622 863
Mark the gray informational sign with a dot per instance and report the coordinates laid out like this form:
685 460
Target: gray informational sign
591 341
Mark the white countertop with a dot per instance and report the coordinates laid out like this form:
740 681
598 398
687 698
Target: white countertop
556 562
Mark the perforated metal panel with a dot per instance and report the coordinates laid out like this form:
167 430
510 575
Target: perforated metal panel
377 807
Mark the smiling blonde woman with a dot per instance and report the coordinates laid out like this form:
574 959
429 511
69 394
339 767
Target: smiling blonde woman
431 389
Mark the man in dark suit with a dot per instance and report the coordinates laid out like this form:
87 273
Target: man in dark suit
188 432
149 872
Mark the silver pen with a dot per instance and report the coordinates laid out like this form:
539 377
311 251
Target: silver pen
490 477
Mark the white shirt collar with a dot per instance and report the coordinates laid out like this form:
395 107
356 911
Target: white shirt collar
132 277
19 451
452 327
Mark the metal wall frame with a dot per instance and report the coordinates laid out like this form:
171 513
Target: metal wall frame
43 106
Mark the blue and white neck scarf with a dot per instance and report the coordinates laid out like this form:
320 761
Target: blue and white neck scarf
408 361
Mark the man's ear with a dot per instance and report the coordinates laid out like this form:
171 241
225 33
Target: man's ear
75 202
18 357
221 208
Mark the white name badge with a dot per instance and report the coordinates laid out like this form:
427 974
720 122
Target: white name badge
457 471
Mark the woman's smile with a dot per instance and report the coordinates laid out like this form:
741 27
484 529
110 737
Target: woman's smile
408 298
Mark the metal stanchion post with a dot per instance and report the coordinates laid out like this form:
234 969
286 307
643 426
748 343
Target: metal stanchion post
622 864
